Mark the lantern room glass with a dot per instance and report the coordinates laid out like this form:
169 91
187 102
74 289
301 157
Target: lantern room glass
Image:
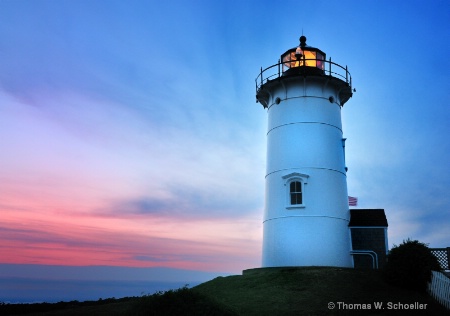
308 58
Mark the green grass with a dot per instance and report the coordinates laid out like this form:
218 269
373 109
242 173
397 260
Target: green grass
277 291
307 291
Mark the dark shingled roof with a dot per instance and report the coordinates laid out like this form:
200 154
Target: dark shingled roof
368 218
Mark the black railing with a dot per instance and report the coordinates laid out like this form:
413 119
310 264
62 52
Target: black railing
330 69
443 256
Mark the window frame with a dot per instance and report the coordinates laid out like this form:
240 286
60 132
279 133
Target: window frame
295 192
295 177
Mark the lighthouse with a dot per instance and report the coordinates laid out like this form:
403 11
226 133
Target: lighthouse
306 215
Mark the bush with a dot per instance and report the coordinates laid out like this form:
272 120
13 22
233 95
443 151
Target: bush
409 265
179 302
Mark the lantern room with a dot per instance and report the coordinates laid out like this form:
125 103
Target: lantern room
307 62
303 59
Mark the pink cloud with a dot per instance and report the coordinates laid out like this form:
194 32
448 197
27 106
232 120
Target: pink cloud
59 237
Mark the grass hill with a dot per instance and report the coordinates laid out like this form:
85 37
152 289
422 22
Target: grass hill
308 291
276 291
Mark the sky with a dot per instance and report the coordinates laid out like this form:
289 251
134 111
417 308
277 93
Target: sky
130 135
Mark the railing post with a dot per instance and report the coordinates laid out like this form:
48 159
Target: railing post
261 77
346 74
279 61
330 67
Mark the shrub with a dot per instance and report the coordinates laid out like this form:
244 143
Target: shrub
179 302
409 265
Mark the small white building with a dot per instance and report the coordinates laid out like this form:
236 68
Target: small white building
306 214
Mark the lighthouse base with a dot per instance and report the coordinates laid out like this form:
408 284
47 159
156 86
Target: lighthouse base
301 241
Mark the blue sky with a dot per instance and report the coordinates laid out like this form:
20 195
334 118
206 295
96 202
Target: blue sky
131 136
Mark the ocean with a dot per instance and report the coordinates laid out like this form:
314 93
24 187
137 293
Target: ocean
24 290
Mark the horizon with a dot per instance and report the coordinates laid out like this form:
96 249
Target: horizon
132 137
28 283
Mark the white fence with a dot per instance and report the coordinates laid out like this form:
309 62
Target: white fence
439 288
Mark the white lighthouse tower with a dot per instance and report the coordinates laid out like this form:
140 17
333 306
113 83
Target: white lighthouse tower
306 212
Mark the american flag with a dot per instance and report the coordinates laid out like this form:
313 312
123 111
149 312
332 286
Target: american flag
352 201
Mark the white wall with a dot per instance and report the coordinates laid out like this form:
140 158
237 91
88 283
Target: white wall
305 136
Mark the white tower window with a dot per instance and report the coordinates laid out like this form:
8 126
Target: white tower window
295 189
